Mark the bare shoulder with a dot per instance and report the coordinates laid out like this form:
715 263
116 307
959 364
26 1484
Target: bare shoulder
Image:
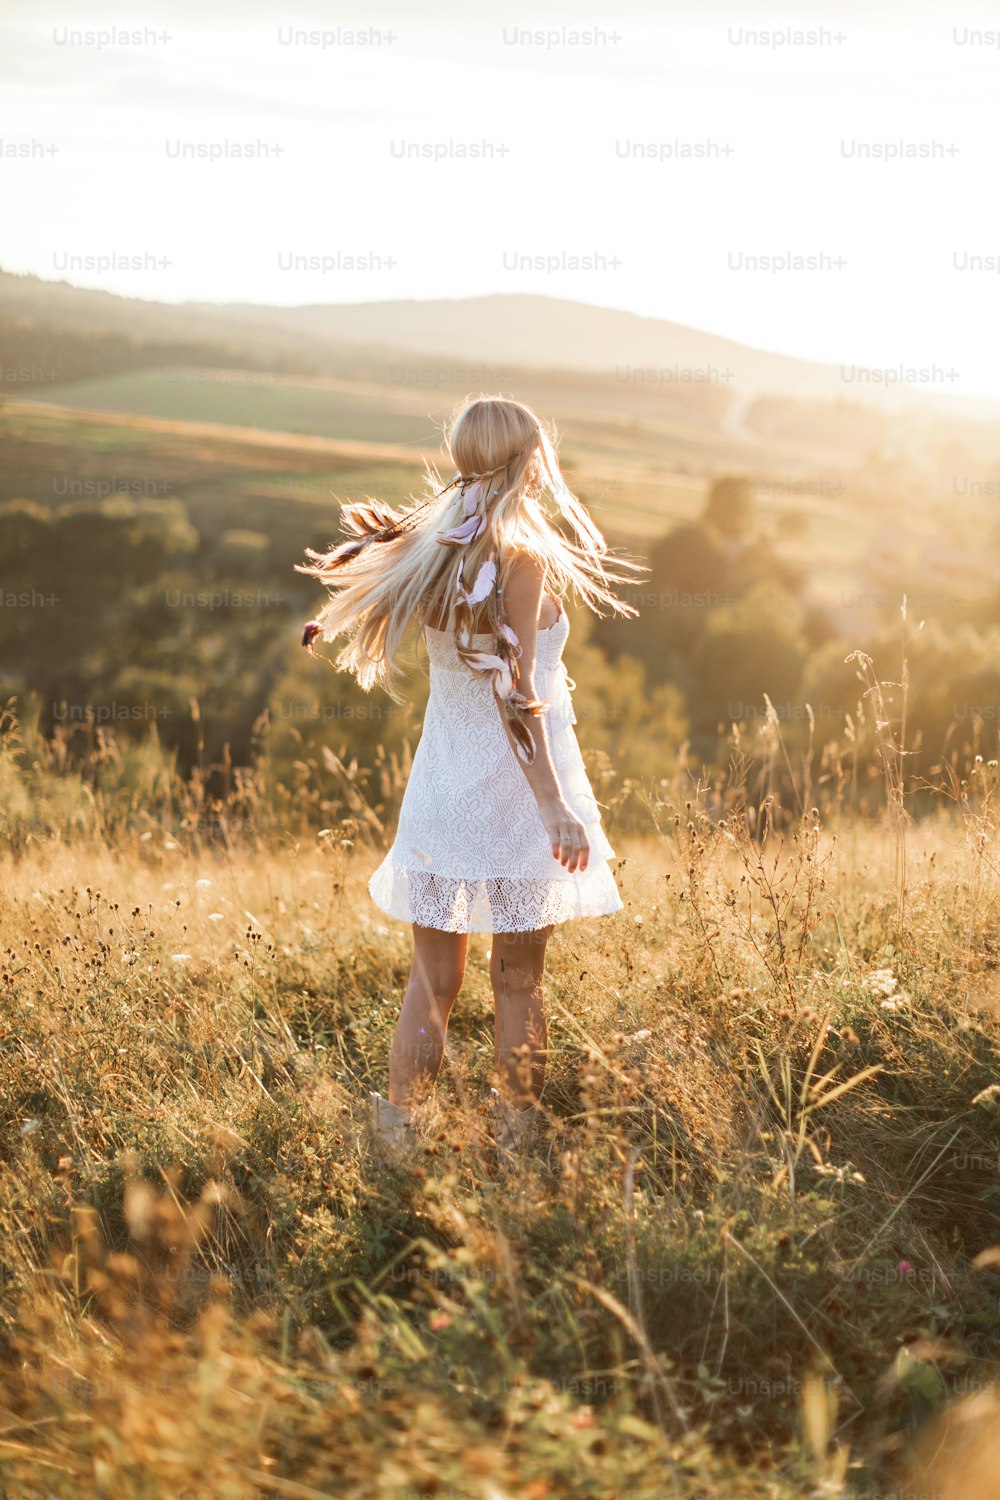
525 579
522 599
523 587
518 558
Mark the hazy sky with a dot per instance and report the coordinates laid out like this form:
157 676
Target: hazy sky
792 135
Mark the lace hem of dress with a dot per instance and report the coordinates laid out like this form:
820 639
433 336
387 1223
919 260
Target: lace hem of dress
500 903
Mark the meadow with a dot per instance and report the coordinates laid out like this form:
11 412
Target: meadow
753 1253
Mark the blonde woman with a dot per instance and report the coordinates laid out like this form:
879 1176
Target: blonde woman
499 830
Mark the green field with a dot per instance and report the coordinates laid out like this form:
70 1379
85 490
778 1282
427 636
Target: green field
246 454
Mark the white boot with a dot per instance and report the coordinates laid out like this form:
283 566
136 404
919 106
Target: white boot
512 1127
392 1122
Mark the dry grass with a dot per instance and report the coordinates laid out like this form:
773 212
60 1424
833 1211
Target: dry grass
740 1262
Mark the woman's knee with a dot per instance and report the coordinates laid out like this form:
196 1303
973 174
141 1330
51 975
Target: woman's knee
519 955
439 965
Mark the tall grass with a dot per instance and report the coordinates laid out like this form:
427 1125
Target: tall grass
748 1256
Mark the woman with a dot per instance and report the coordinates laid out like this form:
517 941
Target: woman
499 829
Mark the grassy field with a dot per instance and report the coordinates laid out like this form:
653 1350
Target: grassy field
641 463
753 1253
637 486
242 444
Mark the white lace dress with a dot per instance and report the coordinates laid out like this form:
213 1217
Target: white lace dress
471 853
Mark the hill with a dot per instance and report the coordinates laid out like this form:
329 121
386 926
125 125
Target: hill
514 330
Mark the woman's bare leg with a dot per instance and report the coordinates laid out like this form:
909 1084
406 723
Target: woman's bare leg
517 966
418 1044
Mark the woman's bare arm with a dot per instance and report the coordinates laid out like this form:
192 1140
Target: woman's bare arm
523 599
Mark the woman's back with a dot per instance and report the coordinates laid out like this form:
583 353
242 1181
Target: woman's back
471 853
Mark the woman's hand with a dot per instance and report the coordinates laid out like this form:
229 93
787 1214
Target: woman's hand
567 834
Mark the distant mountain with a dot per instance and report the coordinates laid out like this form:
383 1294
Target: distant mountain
554 333
29 301
551 332
506 329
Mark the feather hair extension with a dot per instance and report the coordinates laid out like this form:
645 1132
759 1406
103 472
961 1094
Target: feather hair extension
466 531
472 497
483 586
343 554
367 516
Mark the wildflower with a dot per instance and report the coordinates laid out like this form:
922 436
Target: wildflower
827 1169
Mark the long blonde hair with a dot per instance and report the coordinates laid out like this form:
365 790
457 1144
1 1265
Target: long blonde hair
448 556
